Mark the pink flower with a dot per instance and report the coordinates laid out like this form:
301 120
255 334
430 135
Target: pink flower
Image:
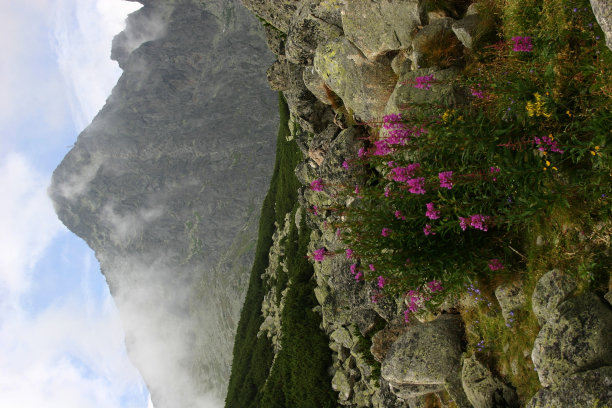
435 286
522 44
403 174
428 230
387 191
345 165
349 253
417 185
463 223
446 179
356 188
495 264
431 213
316 185
358 276
371 266
424 82
382 148
479 221
354 269
315 210
381 282
385 232
362 152
399 216
406 316
319 254
477 92
494 170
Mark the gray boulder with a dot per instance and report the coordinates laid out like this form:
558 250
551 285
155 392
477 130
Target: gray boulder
363 85
343 384
511 298
603 14
483 390
278 76
582 390
315 84
310 25
379 26
275 40
276 12
427 354
577 340
552 289
466 28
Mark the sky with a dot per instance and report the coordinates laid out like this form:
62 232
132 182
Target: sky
61 340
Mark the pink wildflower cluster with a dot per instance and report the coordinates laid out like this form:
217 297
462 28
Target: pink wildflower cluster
416 299
522 44
319 254
477 221
477 92
382 148
385 232
345 165
417 185
316 185
428 230
357 274
398 214
547 143
494 170
431 212
349 253
495 264
381 282
399 132
403 174
446 179
424 82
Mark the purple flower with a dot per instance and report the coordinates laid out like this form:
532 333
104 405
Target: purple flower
403 174
446 179
371 266
463 223
385 232
479 221
428 230
399 216
382 148
354 269
417 185
349 253
381 282
547 143
316 185
477 92
424 82
431 213
358 276
345 165
522 44
495 264
362 152
318 254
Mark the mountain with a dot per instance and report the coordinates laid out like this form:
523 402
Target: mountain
166 185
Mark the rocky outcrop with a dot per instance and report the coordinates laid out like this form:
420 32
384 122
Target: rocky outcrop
603 13
166 184
551 290
483 390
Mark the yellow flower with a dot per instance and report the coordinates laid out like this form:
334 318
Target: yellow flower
544 168
547 163
544 153
554 168
593 152
568 113
596 147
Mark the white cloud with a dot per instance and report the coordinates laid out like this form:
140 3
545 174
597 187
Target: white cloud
27 223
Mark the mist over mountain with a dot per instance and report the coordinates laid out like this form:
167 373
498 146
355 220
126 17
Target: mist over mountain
166 186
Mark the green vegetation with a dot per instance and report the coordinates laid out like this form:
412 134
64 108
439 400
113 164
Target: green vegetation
299 376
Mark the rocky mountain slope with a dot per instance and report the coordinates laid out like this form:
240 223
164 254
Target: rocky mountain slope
166 186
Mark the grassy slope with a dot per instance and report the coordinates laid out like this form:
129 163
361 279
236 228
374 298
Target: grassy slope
291 379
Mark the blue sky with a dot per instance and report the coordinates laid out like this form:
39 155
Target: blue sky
61 341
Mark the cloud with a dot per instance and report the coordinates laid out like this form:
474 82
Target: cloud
27 223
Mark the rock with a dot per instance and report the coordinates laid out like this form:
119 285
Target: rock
466 28
320 144
410 391
384 339
315 84
428 353
387 399
312 115
587 389
363 85
552 289
603 14
275 40
483 390
379 26
342 336
343 384
511 298
433 44
608 297
401 63
577 340
278 76
442 91
276 12
308 28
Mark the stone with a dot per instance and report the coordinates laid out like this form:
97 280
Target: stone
342 336
577 340
343 384
465 29
276 12
363 85
401 63
379 26
308 28
511 298
278 76
552 289
315 84
275 40
483 390
410 391
608 297
433 37
587 389
311 114
442 91
603 14
428 353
